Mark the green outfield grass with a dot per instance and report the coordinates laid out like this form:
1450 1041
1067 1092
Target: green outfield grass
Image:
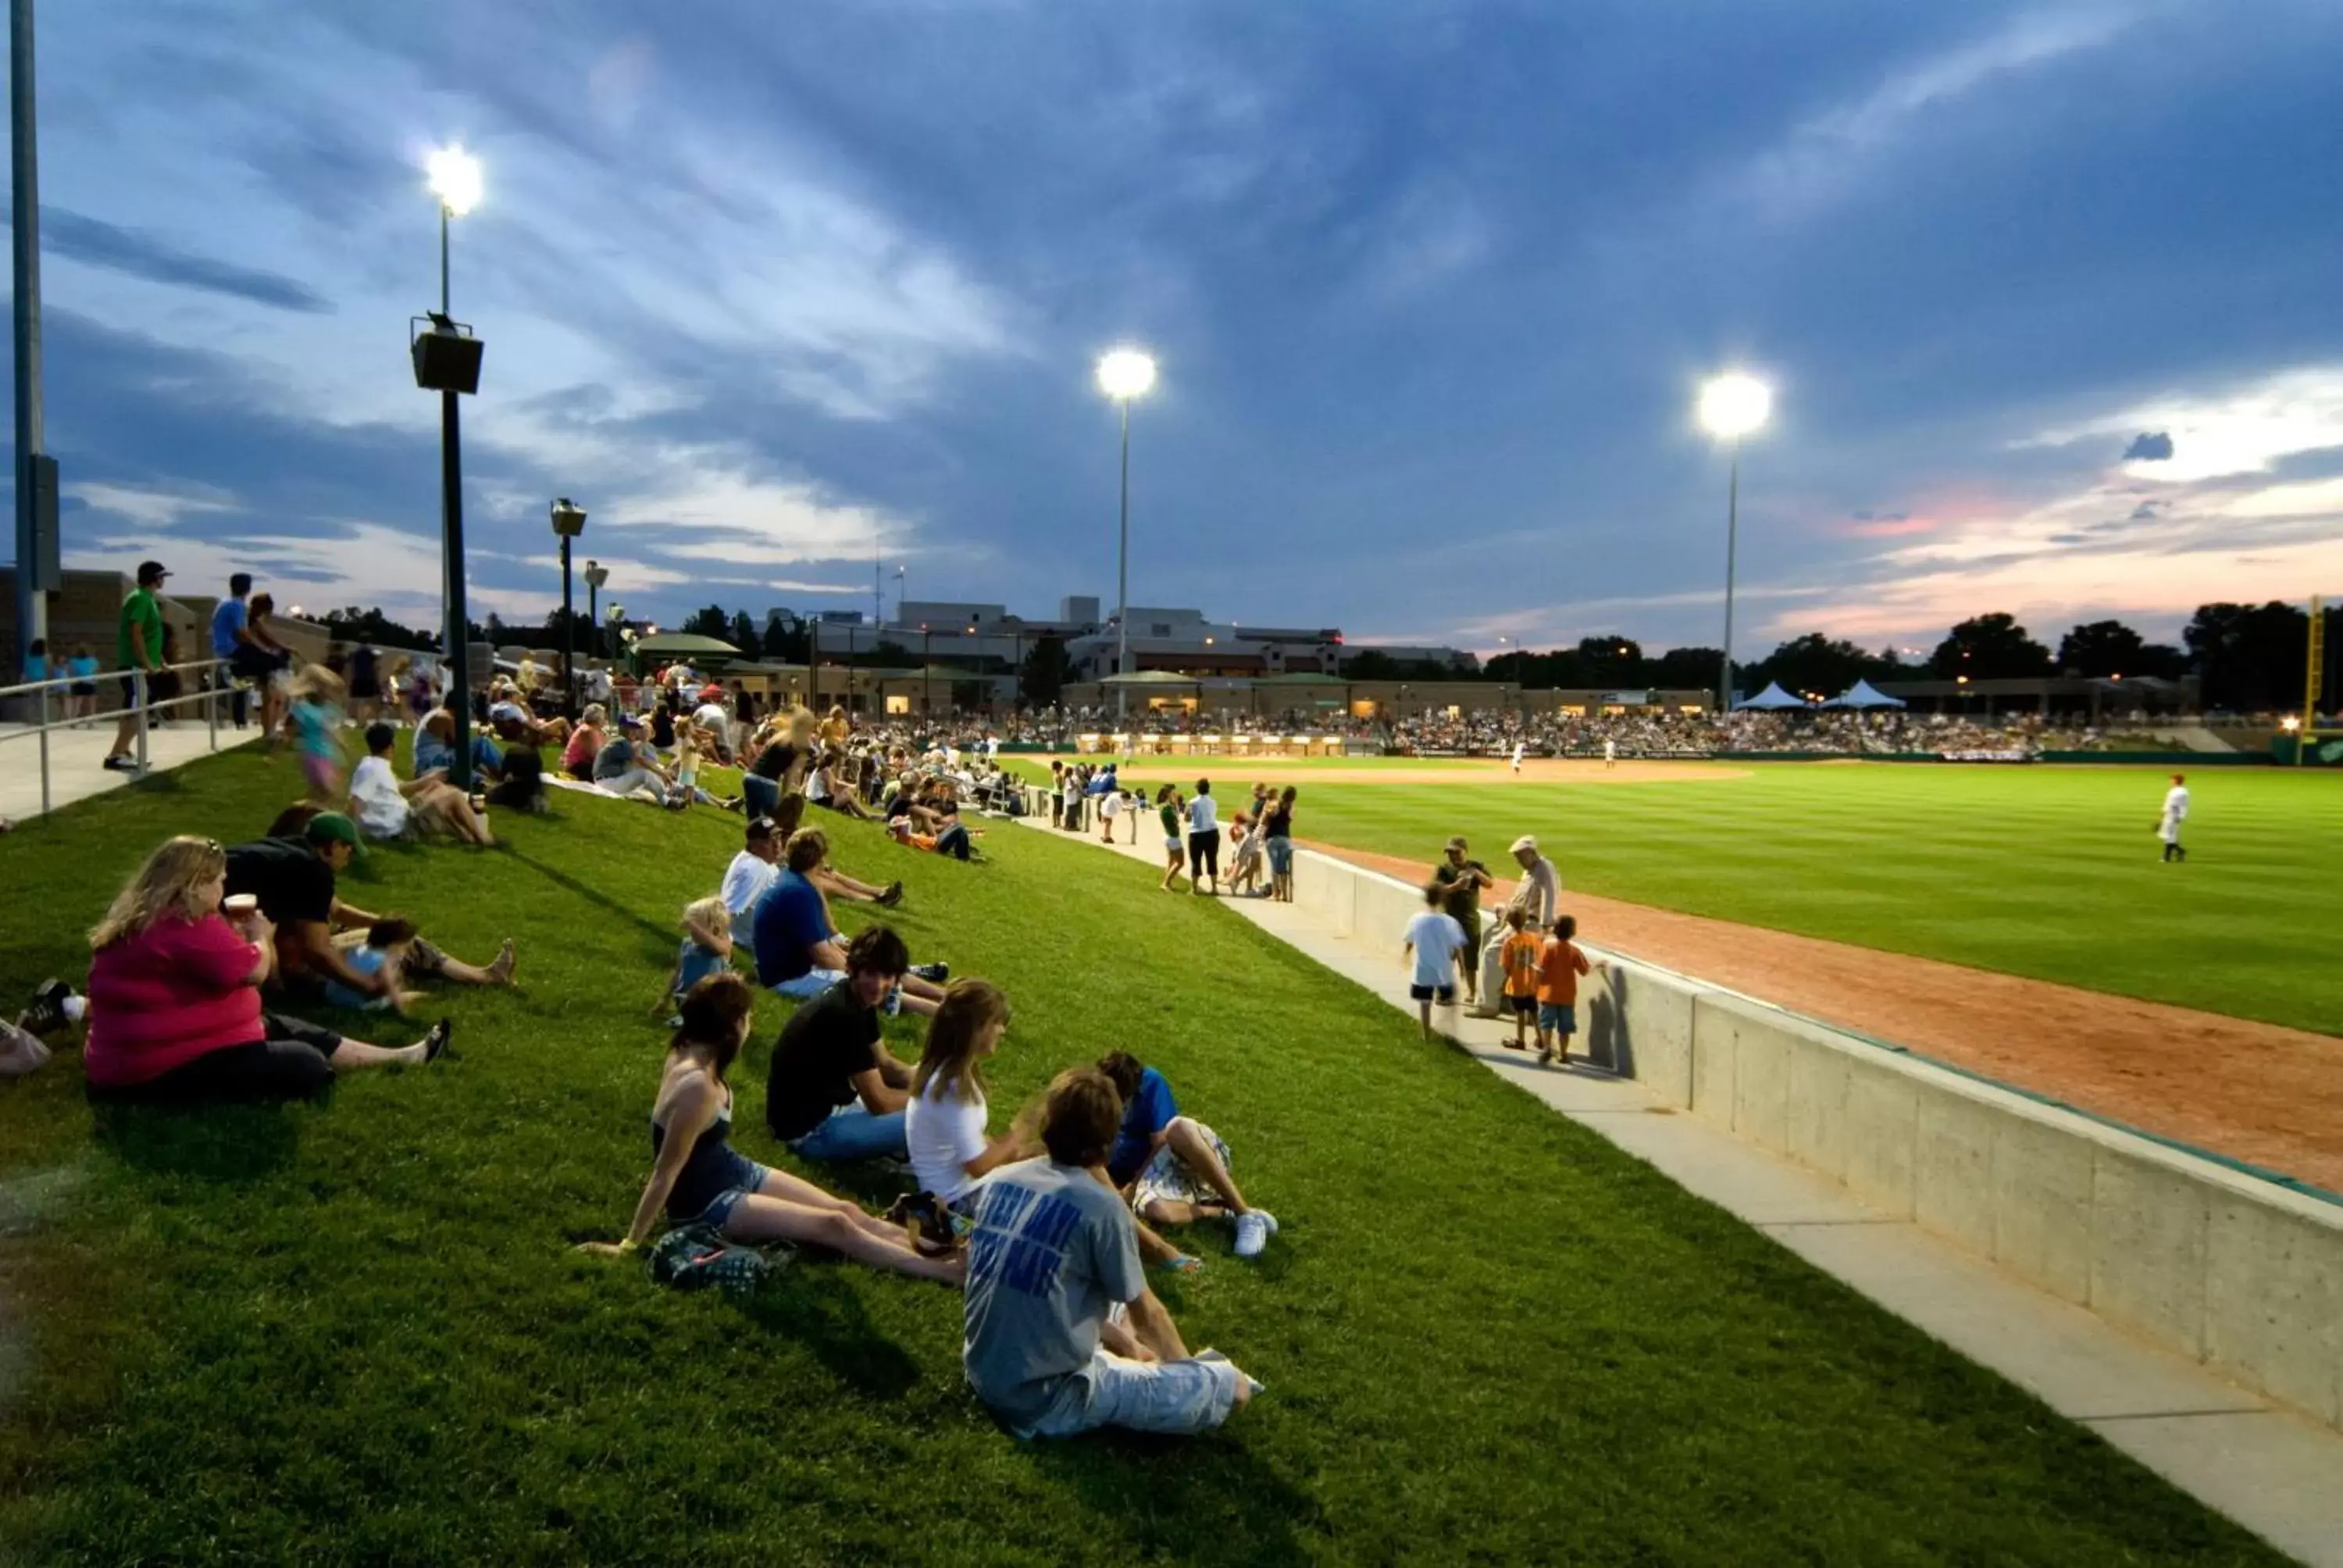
356 1332
2046 871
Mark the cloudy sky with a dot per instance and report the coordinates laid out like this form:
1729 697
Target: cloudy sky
2049 292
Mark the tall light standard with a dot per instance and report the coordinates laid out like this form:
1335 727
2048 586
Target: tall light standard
569 522
37 471
1123 375
1732 405
902 593
595 574
448 362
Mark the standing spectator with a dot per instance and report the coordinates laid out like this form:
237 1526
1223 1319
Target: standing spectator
1168 807
1459 882
265 663
1055 1250
364 675
316 731
139 646
1277 830
1436 942
83 693
1204 840
1560 963
228 618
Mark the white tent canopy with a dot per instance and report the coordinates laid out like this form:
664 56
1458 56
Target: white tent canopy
1770 700
1863 695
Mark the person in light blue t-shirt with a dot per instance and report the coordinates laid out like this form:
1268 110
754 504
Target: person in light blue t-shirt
707 951
1436 941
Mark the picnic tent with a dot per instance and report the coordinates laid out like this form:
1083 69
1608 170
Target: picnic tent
1862 696
1771 699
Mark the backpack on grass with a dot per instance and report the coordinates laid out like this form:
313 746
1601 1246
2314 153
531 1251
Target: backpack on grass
693 1257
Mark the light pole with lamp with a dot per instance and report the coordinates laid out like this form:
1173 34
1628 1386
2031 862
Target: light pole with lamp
1731 407
927 676
447 361
1123 375
595 574
569 522
901 592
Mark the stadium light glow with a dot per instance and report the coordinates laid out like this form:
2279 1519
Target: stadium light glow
1126 373
1733 404
455 177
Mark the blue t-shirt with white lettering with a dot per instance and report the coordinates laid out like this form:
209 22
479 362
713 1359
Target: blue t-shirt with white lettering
789 920
1151 1111
1052 1250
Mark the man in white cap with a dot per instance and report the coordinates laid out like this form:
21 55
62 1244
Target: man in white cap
1538 895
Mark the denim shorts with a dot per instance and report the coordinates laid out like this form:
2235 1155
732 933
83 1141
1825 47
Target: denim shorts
1557 1018
1177 1397
746 1177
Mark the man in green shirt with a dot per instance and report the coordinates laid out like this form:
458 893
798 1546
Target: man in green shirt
137 645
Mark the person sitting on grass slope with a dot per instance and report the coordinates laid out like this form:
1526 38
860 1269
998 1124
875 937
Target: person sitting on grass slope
944 1120
294 881
1061 1335
1175 1169
174 1012
706 950
698 1177
385 808
833 1092
798 951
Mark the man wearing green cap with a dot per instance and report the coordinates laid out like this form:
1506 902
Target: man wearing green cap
292 878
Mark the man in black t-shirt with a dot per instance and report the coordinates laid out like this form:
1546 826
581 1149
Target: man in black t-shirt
294 880
834 1091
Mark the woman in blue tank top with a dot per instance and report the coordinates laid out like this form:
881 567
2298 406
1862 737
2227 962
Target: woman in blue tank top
697 1177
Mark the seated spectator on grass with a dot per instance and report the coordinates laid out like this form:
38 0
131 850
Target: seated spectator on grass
585 743
944 1122
434 747
628 768
1054 1251
691 753
1174 1166
293 881
509 716
175 1007
714 719
522 785
798 948
707 950
384 953
825 785
698 1177
385 808
834 1092
752 875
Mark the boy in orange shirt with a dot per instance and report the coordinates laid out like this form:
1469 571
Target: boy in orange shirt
1560 963
1518 961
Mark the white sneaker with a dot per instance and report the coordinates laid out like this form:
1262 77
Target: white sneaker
1254 1228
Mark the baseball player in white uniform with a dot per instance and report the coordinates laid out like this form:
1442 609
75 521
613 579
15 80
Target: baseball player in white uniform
2176 811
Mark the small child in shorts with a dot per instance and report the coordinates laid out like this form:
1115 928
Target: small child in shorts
1560 963
317 716
384 952
1518 959
707 950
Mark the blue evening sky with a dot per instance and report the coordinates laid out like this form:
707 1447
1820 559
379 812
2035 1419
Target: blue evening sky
774 290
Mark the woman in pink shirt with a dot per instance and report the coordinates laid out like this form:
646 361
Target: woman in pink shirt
174 996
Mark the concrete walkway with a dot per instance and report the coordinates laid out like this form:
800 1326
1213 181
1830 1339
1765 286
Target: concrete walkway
75 755
2277 1473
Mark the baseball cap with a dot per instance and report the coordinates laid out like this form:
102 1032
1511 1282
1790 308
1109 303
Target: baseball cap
1456 840
151 572
1526 841
329 826
760 826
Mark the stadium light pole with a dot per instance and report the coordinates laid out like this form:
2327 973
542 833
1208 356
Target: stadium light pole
595 574
1123 375
454 179
1732 405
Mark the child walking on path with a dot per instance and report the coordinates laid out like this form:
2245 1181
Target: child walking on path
1518 958
1435 941
1560 963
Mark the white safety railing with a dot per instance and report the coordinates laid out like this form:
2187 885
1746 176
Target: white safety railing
209 694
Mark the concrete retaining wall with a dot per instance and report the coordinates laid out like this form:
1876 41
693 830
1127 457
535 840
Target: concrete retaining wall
2238 1273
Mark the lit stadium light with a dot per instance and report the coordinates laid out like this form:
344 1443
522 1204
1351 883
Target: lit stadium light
1125 374
454 179
1732 404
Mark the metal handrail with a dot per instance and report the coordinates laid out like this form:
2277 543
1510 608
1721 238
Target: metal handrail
209 695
